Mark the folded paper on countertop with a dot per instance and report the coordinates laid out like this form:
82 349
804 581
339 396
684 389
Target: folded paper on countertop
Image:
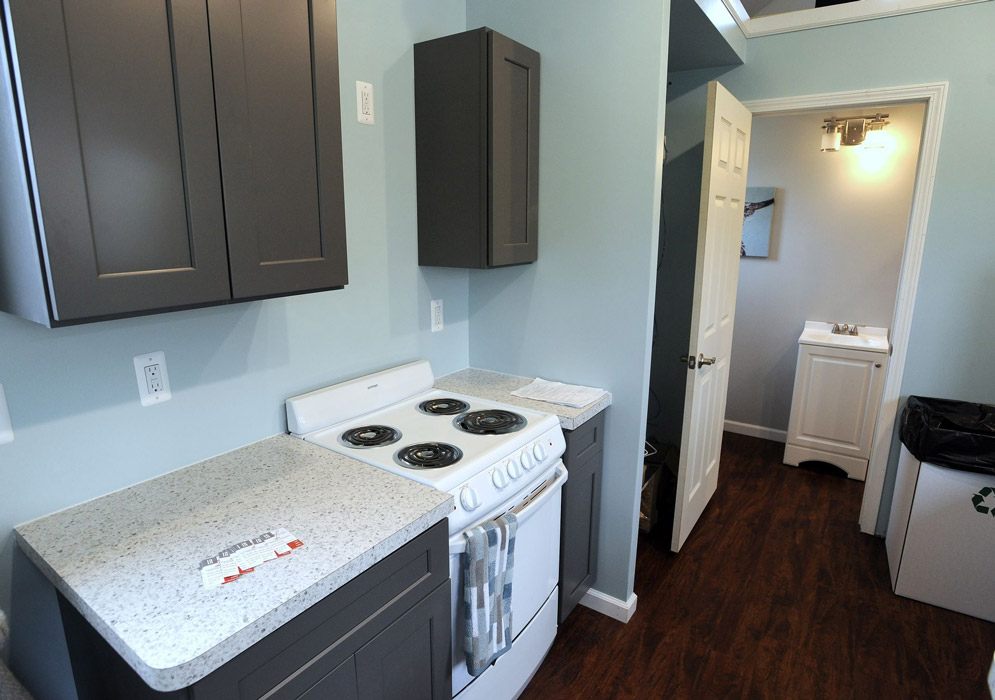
559 393
243 558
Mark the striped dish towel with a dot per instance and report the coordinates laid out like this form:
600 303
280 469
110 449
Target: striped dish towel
487 570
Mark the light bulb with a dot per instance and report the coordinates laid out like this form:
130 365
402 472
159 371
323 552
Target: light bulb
876 138
831 141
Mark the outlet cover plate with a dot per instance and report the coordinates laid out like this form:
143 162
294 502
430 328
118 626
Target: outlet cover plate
153 379
364 102
436 310
6 429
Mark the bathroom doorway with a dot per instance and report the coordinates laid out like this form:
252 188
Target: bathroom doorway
893 266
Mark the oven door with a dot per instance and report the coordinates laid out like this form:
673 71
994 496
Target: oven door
537 564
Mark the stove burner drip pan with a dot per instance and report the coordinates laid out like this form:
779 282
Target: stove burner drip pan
443 407
429 455
370 436
490 422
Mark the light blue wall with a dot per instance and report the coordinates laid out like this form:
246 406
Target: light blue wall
953 316
79 429
582 312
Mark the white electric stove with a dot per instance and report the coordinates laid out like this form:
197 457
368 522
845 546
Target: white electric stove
492 458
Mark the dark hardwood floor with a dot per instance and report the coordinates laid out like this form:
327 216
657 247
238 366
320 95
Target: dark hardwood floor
775 595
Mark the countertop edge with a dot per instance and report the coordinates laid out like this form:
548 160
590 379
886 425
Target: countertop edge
182 675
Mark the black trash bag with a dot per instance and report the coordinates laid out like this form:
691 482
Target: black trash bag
954 434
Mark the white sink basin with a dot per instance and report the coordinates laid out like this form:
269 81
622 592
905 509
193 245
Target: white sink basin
868 338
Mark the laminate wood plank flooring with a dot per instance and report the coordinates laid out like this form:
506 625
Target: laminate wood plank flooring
776 594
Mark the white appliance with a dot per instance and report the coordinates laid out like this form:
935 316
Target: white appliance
837 396
492 458
940 542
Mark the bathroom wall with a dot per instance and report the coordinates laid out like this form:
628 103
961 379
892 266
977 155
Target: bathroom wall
839 230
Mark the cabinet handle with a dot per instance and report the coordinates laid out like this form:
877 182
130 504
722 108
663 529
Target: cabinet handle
878 365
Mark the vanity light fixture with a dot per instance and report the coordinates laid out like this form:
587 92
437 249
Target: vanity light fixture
854 131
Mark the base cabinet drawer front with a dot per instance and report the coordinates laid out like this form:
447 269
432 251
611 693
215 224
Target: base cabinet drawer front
836 399
399 597
581 515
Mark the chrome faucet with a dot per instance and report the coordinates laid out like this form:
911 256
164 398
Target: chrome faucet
845 329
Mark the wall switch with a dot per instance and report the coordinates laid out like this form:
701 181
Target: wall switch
436 315
6 429
364 102
153 380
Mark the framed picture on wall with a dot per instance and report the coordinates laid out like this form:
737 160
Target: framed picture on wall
758 218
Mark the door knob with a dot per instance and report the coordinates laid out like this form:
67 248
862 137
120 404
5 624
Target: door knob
702 360
689 360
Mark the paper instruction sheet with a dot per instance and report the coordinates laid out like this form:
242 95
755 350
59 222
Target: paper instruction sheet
560 393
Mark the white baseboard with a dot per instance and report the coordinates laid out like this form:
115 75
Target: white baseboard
621 610
756 431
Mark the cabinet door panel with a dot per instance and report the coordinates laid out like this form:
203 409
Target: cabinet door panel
836 399
514 152
340 684
411 658
120 111
276 80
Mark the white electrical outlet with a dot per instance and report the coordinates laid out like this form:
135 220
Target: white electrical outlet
364 102
153 379
6 429
436 315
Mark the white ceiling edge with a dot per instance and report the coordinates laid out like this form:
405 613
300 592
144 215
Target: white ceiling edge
828 16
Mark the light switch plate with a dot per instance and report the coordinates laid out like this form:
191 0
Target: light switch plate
364 102
6 429
153 379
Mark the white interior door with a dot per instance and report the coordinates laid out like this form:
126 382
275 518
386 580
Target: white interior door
720 230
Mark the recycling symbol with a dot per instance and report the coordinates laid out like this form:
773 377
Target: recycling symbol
979 499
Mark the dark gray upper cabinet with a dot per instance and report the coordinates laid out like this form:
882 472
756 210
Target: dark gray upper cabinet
276 79
113 116
477 142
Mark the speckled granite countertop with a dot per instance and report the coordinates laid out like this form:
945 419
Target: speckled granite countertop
498 387
129 561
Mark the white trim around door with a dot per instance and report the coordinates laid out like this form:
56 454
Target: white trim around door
934 95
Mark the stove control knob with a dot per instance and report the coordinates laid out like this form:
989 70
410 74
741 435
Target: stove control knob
468 497
538 451
514 468
527 461
499 478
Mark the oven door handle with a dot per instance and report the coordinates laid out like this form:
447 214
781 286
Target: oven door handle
457 543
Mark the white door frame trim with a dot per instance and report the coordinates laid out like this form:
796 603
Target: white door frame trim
934 95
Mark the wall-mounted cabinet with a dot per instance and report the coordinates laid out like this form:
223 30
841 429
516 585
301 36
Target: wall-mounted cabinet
168 155
477 142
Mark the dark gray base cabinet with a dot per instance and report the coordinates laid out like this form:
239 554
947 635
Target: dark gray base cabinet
384 635
477 147
165 155
581 512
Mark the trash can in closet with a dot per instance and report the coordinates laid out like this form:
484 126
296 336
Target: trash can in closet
941 534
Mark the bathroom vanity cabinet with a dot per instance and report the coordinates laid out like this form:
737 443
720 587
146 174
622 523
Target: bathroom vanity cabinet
835 405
